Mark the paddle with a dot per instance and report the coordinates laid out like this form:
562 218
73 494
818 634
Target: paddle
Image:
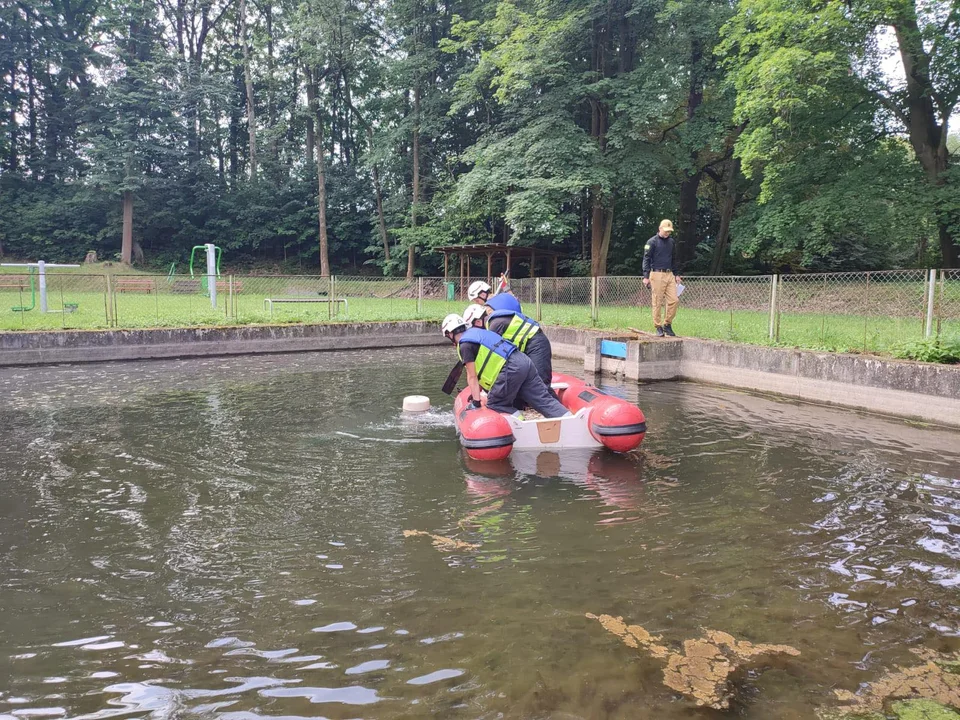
453 378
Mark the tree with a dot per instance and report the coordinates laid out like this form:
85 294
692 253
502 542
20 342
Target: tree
136 127
801 71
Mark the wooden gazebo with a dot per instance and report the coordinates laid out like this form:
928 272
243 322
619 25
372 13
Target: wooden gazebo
510 254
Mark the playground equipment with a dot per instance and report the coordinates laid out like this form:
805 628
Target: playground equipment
18 286
41 268
208 282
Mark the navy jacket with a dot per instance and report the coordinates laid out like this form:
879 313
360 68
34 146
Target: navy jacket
658 255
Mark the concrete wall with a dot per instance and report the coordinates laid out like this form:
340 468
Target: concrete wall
72 346
905 389
569 342
923 391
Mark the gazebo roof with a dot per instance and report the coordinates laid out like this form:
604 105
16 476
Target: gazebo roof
515 250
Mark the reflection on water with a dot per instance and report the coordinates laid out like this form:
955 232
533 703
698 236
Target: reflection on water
225 537
616 481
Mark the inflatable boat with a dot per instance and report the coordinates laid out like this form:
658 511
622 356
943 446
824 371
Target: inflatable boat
598 421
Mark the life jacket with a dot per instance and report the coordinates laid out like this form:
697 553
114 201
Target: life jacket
520 329
492 356
504 301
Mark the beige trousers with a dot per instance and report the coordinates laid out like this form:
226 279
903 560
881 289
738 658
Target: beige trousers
664 288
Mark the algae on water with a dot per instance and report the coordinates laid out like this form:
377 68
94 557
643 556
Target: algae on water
936 680
440 542
923 710
705 669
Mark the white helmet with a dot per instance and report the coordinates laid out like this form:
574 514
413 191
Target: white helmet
474 312
473 292
451 323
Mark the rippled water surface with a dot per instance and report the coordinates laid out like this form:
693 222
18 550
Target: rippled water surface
224 537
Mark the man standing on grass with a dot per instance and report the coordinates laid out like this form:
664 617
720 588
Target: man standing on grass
659 276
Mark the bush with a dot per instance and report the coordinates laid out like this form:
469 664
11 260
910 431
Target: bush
935 350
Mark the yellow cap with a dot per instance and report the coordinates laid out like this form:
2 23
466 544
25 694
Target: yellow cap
666 225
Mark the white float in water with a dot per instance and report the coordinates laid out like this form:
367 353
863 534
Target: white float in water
416 403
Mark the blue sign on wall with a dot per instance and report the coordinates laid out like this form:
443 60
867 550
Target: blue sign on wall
610 348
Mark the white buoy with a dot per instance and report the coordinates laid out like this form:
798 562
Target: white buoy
416 403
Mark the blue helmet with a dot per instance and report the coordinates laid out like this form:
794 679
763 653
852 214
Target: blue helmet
504 301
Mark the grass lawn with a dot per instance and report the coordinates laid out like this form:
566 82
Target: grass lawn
183 305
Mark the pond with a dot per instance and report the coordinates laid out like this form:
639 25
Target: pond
225 538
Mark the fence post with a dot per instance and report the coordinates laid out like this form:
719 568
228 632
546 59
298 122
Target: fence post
773 306
594 299
229 304
107 300
420 296
940 304
866 316
931 289
332 297
539 294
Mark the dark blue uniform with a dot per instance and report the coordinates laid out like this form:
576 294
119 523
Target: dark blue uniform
658 255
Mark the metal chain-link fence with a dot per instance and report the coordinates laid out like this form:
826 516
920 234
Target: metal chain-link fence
165 301
947 304
866 311
566 301
53 301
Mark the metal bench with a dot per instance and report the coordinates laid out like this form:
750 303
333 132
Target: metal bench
268 303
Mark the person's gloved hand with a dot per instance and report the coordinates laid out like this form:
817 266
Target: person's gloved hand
473 404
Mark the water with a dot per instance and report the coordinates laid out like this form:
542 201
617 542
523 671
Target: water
224 537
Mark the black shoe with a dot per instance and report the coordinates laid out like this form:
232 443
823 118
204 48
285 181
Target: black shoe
659 331
669 331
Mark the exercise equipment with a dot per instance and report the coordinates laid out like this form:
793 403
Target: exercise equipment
208 282
41 268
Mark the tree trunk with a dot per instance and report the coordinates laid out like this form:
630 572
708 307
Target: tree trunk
689 211
248 81
601 227
126 243
273 138
584 223
236 101
412 250
601 223
927 136
12 150
726 215
33 142
312 111
322 201
687 219
381 220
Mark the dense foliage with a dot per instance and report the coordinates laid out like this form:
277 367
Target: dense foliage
345 136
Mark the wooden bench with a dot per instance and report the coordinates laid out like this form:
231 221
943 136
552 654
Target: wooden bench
14 282
134 285
268 303
223 286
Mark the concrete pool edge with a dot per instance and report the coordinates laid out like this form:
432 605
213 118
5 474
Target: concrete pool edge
75 346
905 389
899 388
